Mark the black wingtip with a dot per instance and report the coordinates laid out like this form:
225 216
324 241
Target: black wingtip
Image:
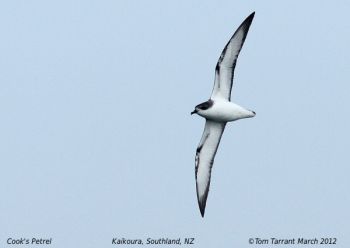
202 199
202 202
202 209
249 19
252 15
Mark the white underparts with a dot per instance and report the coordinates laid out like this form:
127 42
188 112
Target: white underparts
224 111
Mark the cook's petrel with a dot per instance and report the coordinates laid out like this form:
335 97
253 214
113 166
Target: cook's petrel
218 110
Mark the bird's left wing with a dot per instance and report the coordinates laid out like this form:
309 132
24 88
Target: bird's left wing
205 154
225 67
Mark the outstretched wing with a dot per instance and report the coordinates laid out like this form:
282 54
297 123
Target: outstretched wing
205 154
224 70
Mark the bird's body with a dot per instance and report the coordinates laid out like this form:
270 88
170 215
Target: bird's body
225 111
219 110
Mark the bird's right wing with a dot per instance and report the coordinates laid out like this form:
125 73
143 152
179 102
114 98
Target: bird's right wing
205 154
226 65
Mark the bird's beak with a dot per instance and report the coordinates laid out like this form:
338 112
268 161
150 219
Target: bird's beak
193 112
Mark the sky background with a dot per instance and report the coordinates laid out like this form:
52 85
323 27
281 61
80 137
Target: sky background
97 140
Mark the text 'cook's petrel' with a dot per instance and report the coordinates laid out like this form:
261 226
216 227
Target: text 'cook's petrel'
218 110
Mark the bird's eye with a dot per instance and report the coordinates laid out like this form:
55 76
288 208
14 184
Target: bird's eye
205 105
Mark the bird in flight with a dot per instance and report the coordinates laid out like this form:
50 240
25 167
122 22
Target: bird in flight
219 110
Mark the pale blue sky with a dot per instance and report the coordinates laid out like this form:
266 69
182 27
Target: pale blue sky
97 141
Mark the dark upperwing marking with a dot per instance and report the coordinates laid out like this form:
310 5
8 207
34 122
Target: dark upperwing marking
245 25
199 148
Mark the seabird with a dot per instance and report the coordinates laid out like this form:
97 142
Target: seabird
219 110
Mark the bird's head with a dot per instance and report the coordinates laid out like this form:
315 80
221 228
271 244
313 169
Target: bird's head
202 106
